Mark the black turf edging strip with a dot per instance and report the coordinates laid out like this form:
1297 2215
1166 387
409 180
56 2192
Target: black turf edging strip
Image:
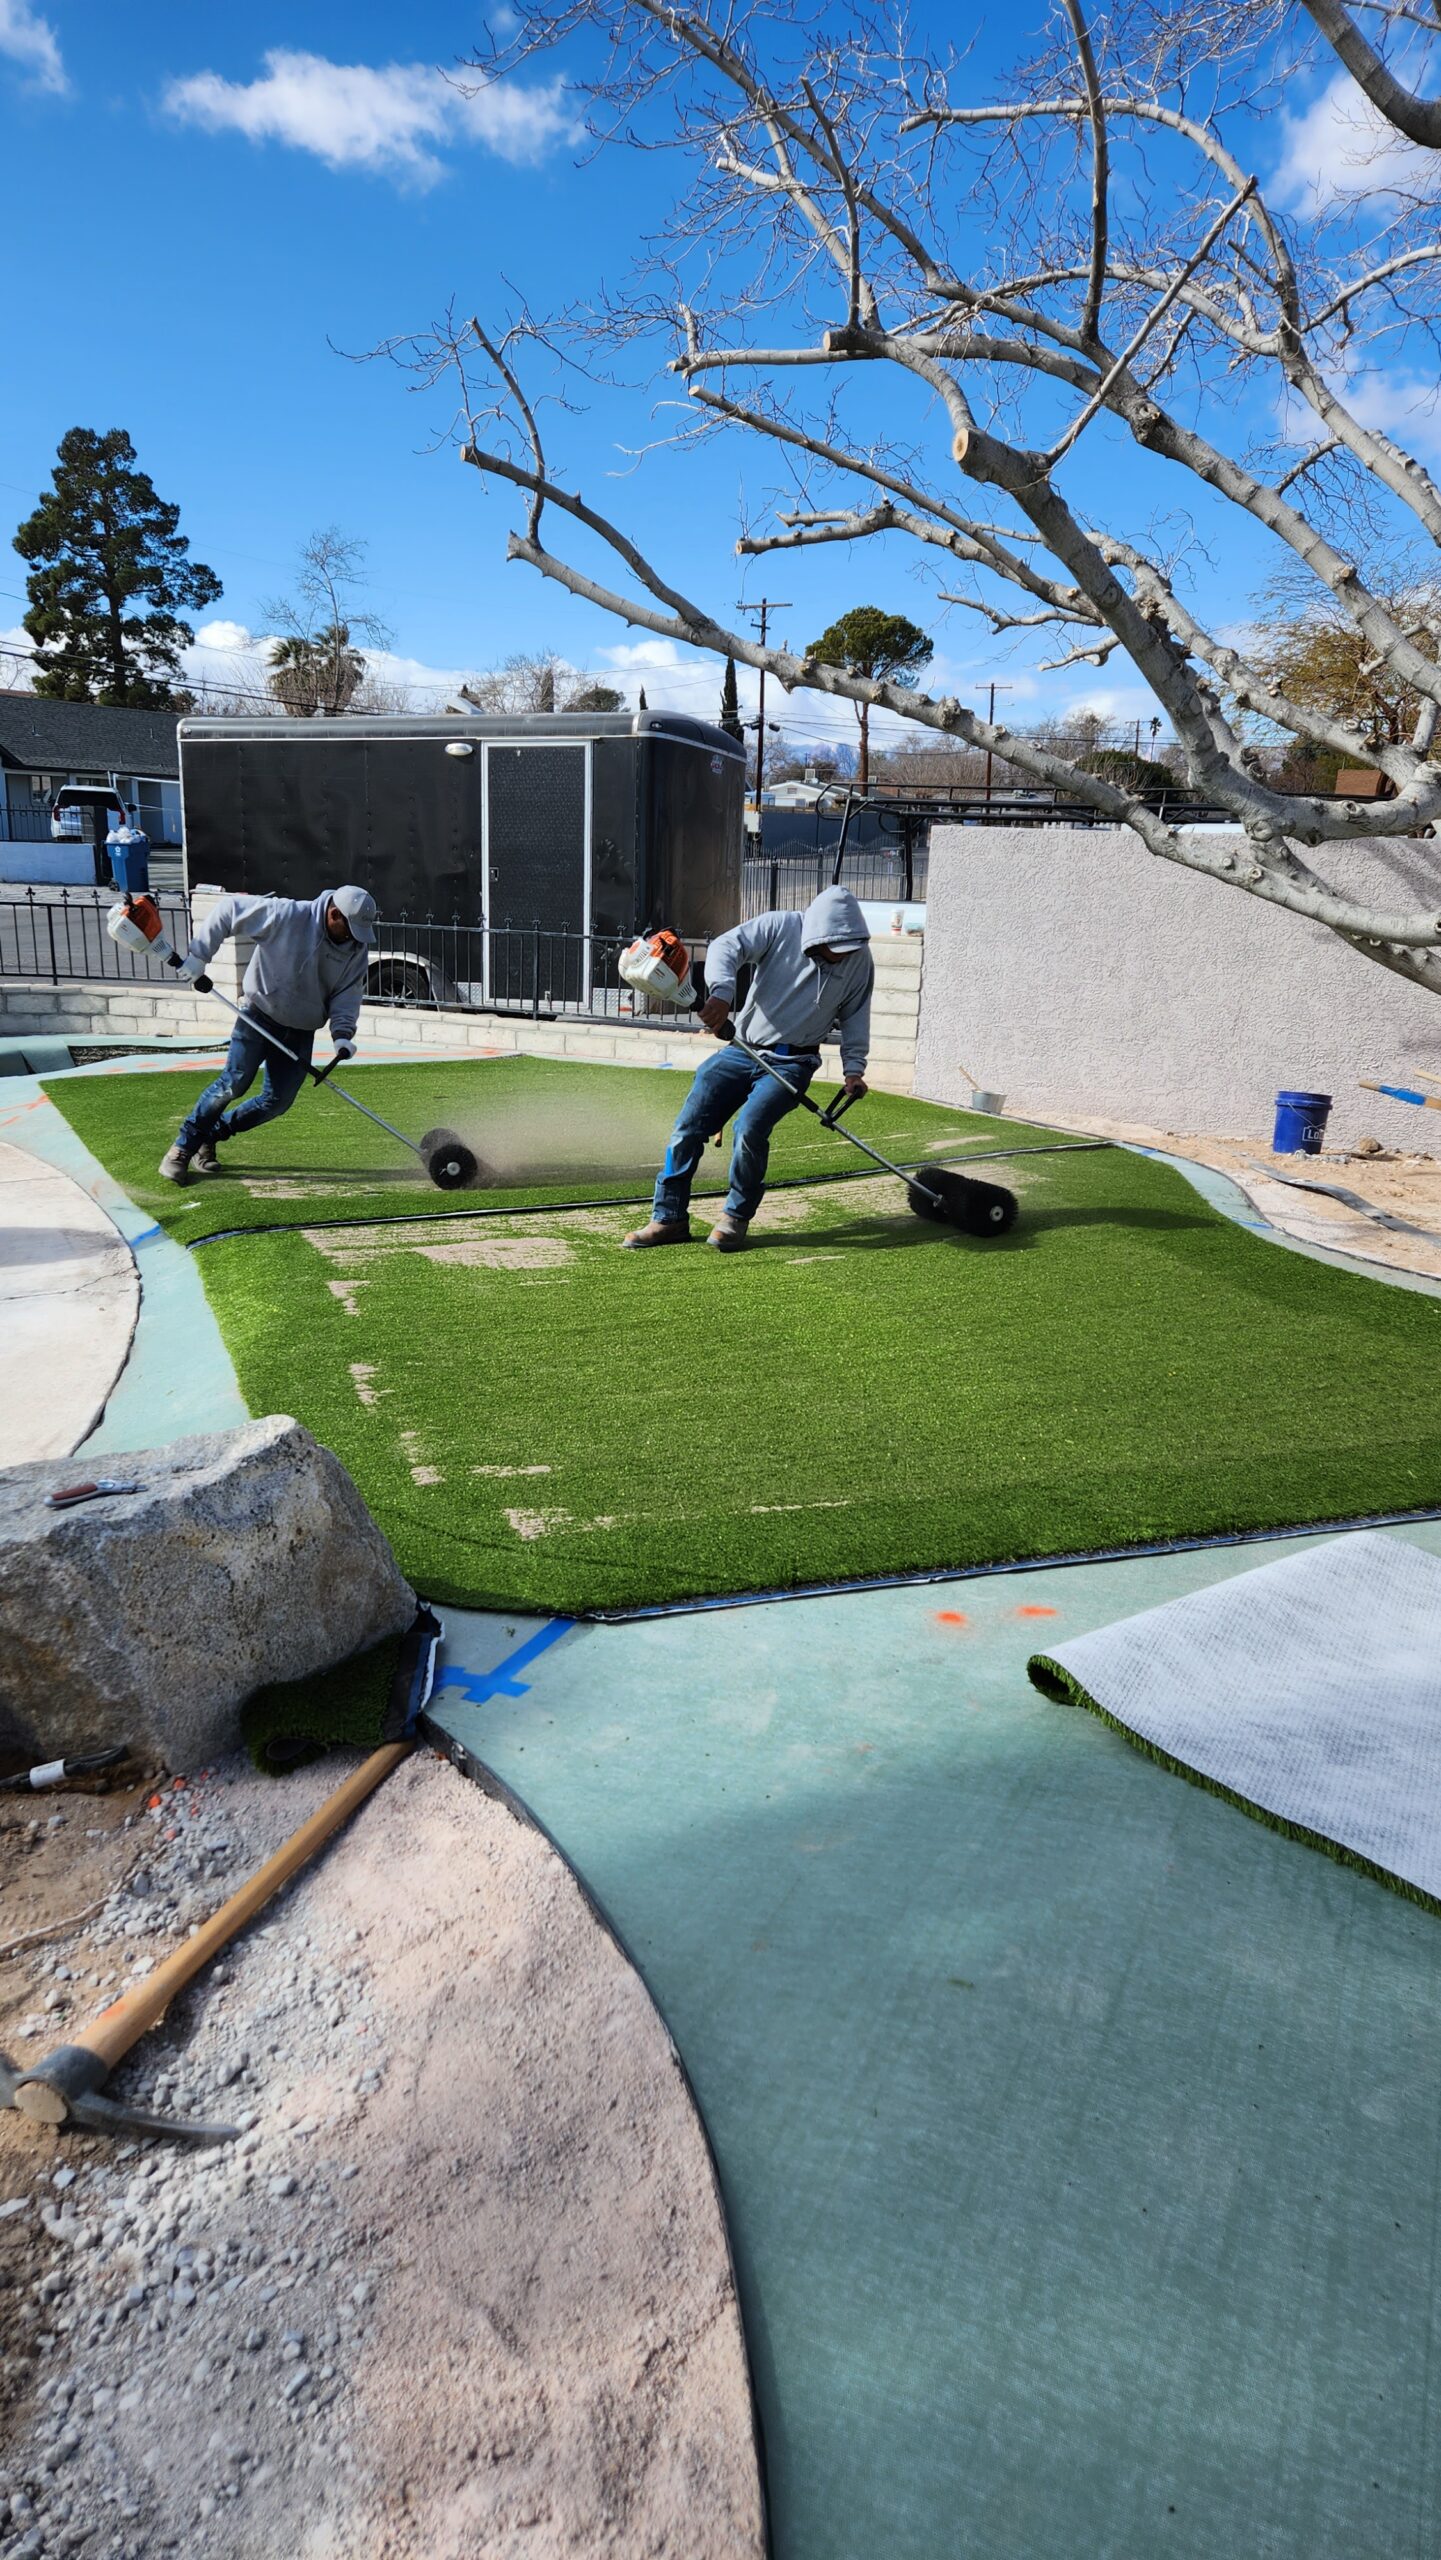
1053 1681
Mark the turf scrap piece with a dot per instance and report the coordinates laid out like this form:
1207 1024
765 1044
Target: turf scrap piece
293 1721
1306 1692
545 1128
544 1423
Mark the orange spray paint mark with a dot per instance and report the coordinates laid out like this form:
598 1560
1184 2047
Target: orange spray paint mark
952 1618
1034 1609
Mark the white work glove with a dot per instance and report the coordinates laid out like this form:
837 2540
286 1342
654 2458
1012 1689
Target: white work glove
191 968
344 1049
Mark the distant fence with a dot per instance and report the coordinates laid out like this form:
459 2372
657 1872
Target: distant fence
883 846
19 825
54 934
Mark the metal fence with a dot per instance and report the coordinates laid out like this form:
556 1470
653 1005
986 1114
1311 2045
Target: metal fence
513 968
55 934
881 847
884 855
21 825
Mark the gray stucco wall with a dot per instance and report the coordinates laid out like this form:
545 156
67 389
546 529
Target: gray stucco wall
1077 974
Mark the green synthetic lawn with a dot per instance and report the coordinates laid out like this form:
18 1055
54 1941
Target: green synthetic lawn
546 1129
542 1422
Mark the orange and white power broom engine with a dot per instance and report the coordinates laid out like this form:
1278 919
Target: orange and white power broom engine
658 964
136 923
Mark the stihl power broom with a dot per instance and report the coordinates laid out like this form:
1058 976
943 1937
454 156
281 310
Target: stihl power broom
135 922
658 965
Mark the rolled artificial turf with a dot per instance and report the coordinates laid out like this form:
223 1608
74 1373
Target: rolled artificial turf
542 1422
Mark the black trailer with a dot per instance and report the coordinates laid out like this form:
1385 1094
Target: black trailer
502 852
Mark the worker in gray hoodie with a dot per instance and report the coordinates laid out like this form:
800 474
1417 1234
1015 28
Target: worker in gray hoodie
307 968
812 981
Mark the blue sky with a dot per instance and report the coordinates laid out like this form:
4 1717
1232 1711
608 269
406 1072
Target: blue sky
205 205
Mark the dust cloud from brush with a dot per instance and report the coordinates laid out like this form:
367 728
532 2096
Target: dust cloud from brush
527 1138
541 1129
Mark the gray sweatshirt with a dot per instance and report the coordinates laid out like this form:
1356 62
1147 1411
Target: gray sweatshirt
297 974
796 1001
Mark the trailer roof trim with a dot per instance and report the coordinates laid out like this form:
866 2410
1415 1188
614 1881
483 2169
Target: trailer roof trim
553 728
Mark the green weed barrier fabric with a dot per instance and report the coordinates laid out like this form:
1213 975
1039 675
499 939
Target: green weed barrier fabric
293 1721
543 1129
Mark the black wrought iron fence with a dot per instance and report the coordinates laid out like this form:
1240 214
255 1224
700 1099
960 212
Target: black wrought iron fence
511 968
793 879
56 934
22 825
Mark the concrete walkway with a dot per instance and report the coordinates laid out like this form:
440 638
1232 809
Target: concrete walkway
69 1300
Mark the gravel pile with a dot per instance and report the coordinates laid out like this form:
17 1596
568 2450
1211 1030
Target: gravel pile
461 2284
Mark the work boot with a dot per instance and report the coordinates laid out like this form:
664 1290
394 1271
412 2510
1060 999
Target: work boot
729 1235
205 1159
175 1165
659 1231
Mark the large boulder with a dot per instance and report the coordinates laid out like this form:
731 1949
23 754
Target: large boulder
245 1557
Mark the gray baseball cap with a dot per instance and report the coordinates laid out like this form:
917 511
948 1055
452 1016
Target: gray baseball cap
358 908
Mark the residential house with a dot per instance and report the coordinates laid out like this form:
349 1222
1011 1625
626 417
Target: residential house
45 744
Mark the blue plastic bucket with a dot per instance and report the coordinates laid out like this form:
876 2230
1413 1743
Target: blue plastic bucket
1300 1123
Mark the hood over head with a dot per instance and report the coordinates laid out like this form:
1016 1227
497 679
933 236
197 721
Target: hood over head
835 918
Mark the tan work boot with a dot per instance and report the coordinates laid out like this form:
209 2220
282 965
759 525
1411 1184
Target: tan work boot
175 1165
729 1235
205 1159
658 1231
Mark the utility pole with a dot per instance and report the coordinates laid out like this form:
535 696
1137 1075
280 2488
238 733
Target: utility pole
765 607
991 717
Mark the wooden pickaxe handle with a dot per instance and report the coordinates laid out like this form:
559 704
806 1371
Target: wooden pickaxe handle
109 2037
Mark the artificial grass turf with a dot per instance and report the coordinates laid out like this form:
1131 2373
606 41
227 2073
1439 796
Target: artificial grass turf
548 1129
541 1422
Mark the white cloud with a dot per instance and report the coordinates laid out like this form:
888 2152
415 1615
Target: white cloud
31 41
1404 406
1339 147
391 121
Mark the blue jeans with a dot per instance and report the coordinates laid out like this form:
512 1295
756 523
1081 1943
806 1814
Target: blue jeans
212 1116
729 1086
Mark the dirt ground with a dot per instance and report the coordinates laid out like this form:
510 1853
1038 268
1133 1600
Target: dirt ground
1390 1214
461 2287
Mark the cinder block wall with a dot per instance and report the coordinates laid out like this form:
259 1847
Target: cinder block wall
157 1011
1080 976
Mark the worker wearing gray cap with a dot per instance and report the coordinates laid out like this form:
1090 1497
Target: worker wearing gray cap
307 968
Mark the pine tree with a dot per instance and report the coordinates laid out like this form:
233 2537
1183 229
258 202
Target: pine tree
730 707
105 546
885 647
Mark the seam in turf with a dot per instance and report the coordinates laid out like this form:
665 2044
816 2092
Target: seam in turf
1054 1681
637 1199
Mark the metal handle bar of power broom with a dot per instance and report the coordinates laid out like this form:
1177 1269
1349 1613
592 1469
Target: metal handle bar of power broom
317 1075
829 1116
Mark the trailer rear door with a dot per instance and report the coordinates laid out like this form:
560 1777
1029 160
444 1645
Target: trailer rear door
537 872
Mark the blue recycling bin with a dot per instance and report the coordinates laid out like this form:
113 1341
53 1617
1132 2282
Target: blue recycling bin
1300 1123
129 853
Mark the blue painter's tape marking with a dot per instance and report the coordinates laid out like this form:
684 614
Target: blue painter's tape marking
479 1686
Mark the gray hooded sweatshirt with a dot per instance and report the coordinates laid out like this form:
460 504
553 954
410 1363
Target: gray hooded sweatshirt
297 974
795 1001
